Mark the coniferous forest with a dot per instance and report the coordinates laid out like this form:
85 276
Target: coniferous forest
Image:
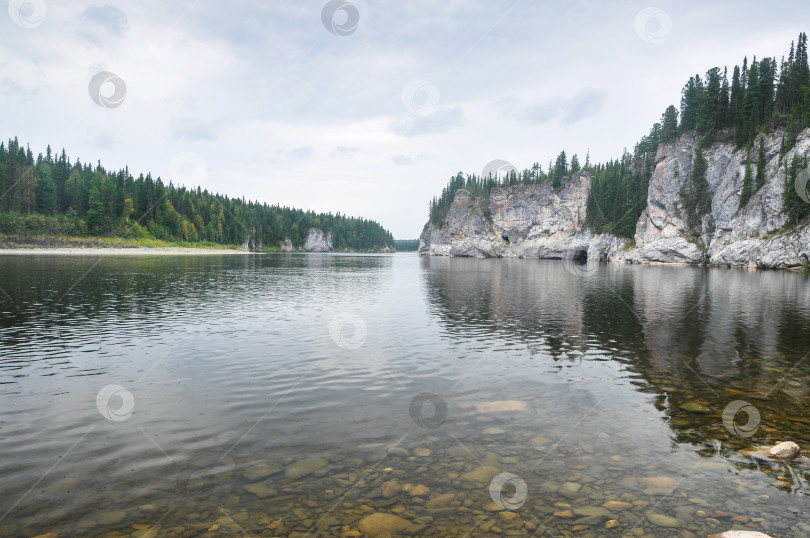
50 195
759 96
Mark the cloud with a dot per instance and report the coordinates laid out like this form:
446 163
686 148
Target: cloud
586 104
403 160
440 121
344 150
303 152
108 18
193 129
407 160
541 113
11 87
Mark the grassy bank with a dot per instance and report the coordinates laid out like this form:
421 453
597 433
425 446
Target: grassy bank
67 241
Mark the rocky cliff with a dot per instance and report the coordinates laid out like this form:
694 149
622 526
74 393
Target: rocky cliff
534 221
317 241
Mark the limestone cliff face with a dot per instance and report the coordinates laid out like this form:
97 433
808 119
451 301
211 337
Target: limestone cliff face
526 221
317 241
533 221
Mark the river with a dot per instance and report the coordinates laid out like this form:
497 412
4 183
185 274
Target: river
294 395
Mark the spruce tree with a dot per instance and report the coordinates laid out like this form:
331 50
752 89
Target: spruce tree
747 186
669 124
760 179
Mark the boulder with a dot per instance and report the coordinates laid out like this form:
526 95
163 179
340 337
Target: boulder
786 450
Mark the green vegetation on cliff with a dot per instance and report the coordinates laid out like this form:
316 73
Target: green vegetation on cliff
50 195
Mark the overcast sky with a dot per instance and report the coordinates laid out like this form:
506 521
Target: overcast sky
363 107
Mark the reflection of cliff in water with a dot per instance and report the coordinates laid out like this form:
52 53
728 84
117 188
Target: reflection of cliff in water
692 334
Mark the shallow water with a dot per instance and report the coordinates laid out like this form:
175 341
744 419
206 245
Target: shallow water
228 371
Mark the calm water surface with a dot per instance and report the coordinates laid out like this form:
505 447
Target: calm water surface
279 395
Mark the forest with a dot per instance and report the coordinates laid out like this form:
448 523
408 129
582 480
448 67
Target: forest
50 195
760 97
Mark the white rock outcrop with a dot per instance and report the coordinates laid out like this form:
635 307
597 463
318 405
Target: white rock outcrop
534 221
317 241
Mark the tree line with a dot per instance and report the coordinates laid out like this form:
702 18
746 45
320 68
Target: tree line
50 194
760 97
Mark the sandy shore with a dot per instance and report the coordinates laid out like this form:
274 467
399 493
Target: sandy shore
135 251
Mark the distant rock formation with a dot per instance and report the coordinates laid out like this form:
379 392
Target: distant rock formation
253 241
286 246
317 241
534 221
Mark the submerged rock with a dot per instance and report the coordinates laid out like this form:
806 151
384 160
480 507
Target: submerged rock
419 491
570 490
302 468
261 490
390 489
440 501
740 534
505 405
380 522
617 506
663 482
694 407
665 521
481 475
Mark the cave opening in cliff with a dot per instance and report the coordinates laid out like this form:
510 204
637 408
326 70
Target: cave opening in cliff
581 256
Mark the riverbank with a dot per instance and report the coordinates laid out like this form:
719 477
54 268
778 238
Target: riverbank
108 246
133 251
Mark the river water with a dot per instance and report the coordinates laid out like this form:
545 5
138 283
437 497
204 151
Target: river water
336 395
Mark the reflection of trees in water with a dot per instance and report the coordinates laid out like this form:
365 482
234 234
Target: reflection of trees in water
692 333
514 298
